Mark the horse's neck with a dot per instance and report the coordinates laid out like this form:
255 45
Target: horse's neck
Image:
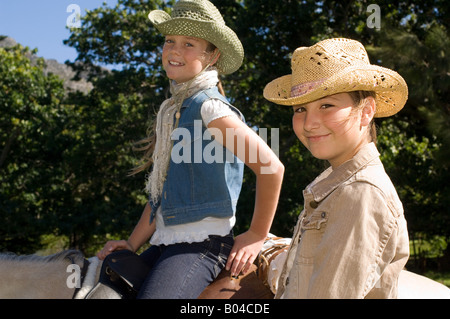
35 278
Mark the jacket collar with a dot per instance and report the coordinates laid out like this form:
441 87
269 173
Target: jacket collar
330 179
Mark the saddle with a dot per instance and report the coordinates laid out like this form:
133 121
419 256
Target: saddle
123 273
247 286
121 276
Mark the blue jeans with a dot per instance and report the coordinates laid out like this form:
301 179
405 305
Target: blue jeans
183 271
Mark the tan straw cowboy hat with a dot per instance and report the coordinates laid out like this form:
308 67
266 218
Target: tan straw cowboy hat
335 66
201 19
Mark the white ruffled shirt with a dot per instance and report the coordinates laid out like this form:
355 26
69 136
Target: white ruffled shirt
197 231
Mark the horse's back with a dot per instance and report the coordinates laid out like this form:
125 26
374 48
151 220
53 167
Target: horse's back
414 286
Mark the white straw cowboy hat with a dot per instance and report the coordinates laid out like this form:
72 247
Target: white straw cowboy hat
335 66
201 19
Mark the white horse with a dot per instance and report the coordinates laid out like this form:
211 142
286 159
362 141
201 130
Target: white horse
69 275
35 277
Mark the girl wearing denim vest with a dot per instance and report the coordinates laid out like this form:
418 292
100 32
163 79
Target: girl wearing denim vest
197 155
351 239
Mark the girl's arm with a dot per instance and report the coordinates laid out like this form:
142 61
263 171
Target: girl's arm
140 235
256 154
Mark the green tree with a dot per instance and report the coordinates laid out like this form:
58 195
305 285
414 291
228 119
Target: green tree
421 134
89 197
30 113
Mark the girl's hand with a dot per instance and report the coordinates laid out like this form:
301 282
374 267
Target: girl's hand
113 245
244 252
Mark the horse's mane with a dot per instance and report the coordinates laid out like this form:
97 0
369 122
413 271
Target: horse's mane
73 256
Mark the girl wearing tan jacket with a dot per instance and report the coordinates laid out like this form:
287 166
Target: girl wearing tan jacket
351 239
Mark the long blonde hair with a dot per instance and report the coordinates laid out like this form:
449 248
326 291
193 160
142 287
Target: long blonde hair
147 144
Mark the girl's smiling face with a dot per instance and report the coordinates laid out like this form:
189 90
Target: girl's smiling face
184 57
332 128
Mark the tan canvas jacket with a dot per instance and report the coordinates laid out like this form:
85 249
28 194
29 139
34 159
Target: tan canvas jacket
351 239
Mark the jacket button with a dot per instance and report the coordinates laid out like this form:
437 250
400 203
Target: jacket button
314 204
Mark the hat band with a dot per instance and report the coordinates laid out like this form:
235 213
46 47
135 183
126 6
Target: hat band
303 88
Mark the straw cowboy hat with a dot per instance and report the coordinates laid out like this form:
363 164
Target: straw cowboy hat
335 66
201 19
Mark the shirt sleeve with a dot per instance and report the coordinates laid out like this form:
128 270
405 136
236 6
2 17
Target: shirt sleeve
213 109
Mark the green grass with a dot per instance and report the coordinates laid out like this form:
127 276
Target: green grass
442 277
427 258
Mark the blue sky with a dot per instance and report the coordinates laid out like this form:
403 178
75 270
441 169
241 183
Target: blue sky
41 24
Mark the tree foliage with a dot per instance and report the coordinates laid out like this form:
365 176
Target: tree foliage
65 158
30 108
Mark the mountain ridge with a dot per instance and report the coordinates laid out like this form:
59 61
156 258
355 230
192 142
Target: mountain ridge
63 71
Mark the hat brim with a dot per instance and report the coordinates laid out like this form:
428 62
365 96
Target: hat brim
390 88
229 45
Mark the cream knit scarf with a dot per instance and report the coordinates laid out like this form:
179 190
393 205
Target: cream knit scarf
165 126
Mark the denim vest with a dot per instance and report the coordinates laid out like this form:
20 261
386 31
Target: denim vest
203 179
